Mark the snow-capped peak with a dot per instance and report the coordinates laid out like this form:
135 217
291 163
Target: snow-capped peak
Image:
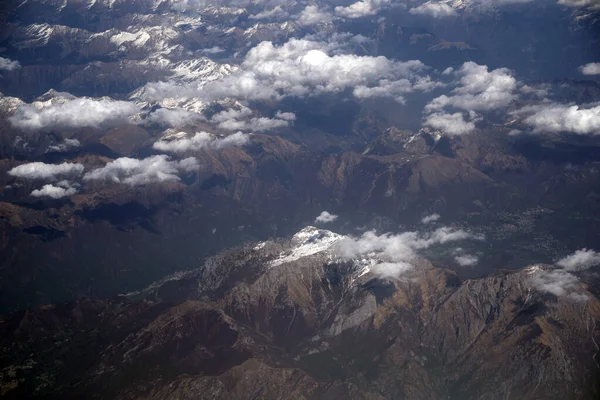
309 241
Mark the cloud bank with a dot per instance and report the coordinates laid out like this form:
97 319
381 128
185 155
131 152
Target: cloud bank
200 140
556 118
396 253
75 113
435 10
561 281
134 172
40 170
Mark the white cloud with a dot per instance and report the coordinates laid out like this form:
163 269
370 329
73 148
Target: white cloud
580 260
66 145
326 217
478 90
591 4
590 69
257 124
288 116
8 65
40 170
76 113
466 260
173 117
275 13
58 191
557 118
212 50
435 10
199 141
557 281
450 124
430 218
362 8
313 15
135 172
230 114
396 253
303 67
561 281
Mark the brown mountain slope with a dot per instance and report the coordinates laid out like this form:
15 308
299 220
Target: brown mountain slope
243 328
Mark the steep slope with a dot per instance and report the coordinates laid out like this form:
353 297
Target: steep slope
289 319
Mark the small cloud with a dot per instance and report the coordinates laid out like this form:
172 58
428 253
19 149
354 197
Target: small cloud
580 260
132 171
326 217
288 116
175 117
8 65
435 10
212 50
40 170
561 281
313 15
590 69
275 13
361 9
450 124
66 145
558 282
58 191
466 260
199 141
430 218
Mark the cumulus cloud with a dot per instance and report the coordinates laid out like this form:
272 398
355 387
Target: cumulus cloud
558 282
181 143
313 15
430 218
275 13
450 124
8 65
555 118
230 114
435 10
466 260
590 69
288 116
580 260
302 67
40 170
326 217
396 253
132 171
256 124
361 9
173 117
561 281
58 191
75 113
66 145
478 90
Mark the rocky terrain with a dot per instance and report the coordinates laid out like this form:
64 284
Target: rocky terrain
167 168
290 319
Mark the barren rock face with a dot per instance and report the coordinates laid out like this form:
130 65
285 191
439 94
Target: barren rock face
311 326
